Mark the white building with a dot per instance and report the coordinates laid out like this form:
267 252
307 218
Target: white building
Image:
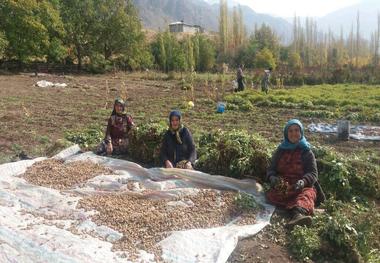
185 28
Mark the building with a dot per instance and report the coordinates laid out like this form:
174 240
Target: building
181 27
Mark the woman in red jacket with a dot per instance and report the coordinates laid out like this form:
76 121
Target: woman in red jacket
118 127
293 176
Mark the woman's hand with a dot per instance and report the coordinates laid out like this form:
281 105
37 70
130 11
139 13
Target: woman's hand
299 185
109 148
168 164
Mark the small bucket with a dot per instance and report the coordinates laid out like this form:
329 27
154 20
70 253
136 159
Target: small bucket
220 107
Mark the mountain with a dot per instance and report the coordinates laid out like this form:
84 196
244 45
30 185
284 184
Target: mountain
346 17
157 14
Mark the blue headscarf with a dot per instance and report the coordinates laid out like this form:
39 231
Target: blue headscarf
287 145
176 132
175 113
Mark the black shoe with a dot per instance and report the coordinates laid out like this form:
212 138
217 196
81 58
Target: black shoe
299 219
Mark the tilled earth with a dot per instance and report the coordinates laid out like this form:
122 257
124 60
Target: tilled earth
59 175
144 221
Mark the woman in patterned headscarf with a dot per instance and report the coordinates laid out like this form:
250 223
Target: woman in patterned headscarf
119 125
178 148
293 176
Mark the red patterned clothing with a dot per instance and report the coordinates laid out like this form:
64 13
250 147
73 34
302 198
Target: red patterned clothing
291 166
118 128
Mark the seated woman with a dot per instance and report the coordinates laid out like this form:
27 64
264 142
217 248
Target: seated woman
119 125
293 176
178 148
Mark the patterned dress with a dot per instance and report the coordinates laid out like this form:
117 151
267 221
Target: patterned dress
290 167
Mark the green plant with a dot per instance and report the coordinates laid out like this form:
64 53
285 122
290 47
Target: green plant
246 201
305 242
88 137
145 142
234 153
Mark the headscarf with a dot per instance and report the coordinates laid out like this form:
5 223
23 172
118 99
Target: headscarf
302 143
175 131
122 103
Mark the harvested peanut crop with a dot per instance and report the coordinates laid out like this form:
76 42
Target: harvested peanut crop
59 175
144 222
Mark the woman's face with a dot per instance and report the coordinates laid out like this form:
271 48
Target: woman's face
174 122
118 108
294 133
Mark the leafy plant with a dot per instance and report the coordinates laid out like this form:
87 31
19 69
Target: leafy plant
145 142
246 201
88 137
234 153
305 242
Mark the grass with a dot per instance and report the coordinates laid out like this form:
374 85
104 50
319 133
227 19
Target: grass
355 102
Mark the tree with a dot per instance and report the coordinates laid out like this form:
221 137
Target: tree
3 44
206 53
159 52
265 37
223 26
376 43
357 47
246 55
238 30
79 18
294 60
118 33
264 59
32 28
189 51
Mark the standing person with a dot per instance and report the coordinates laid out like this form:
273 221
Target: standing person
240 78
265 82
293 176
118 127
178 147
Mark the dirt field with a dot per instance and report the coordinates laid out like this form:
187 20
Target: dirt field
33 118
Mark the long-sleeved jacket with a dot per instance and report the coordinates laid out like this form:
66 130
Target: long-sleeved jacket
309 165
310 172
175 152
118 127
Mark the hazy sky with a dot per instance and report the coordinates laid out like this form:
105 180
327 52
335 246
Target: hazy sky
287 8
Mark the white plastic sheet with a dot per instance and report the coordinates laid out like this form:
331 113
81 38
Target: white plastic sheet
45 84
358 132
35 222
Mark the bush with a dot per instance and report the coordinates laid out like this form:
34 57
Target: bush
317 114
145 142
343 178
305 242
89 137
233 154
237 102
99 64
342 233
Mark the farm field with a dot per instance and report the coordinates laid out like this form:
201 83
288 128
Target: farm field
41 121
34 118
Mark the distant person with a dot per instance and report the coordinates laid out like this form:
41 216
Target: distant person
178 147
293 176
265 82
240 78
118 127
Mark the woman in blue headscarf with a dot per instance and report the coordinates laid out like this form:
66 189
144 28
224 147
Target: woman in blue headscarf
293 176
178 147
